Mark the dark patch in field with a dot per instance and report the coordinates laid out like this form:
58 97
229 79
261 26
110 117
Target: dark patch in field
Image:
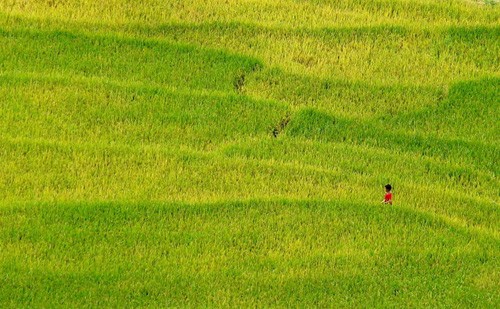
239 83
240 79
281 125
257 67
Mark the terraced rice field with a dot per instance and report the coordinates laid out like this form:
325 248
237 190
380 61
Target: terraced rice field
232 153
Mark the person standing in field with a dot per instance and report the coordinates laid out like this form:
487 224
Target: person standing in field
388 195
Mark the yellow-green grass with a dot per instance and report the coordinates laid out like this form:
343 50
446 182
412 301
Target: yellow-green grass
295 13
232 153
108 112
255 253
379 55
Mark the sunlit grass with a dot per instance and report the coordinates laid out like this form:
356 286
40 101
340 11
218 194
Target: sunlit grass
257 253
233 153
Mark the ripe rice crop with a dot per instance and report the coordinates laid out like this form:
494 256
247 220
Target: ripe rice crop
233 153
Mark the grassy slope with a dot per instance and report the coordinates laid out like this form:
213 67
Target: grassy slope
147 132
231 254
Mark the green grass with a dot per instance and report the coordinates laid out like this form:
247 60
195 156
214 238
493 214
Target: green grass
145 61
118 112
257 253
232 153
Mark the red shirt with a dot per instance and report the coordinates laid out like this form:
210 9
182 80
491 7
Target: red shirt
388 197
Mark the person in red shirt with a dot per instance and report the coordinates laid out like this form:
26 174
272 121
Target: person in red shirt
388 195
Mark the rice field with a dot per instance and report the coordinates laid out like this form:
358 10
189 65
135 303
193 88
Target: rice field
233 153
